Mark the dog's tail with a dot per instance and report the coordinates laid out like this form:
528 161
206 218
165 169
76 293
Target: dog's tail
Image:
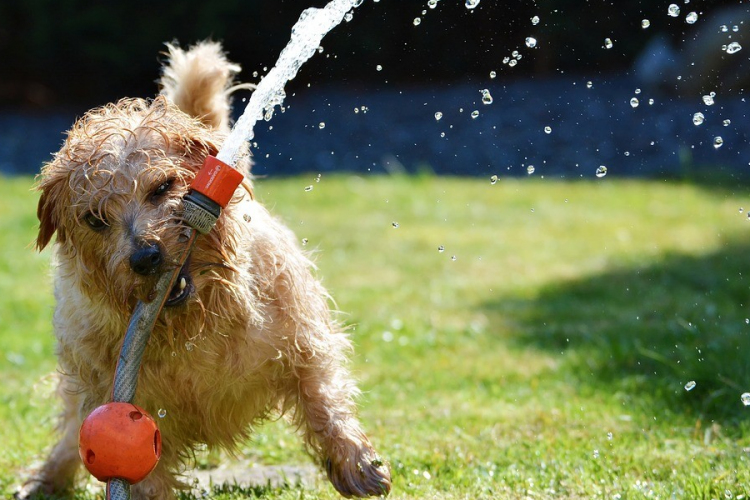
198 81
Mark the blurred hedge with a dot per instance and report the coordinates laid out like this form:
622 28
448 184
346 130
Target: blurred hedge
56 52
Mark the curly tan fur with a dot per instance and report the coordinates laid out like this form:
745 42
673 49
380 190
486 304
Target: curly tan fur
254 337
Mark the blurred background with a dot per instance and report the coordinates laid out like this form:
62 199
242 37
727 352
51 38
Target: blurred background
594 88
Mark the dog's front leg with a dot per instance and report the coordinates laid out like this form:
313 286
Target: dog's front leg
314 349
325 396
57 475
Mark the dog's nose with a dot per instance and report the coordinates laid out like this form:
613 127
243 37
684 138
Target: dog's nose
146 260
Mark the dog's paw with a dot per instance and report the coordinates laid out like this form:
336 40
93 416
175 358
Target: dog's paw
34 488
361 474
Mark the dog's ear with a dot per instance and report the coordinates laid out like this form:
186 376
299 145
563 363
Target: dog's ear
198 148
52 185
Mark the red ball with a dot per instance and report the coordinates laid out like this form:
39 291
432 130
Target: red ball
119 440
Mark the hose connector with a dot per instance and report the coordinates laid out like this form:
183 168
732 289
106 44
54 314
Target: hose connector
210 191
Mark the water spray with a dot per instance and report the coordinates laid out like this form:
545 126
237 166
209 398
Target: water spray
119 442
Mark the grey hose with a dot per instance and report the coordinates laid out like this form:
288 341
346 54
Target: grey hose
139 330
142 323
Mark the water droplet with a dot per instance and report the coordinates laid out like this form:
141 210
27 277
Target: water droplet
589 84
174 354
637 91
596 453
733 48
650 102
645 23
438 116
608 43
690 385
512 63
441 249
454 258
472 4
535 20
634 102
735 28
379 67
698 119
162 413
308 188
530 42
708 100
322 125
348 17
493 179
189 346
530 169
745 398
727 122
394 224
474 114
417 21
723 28
432 3
547 129
691 18
718 142
493 74
610 436
486 96
728 494
304 241
601 171
673 10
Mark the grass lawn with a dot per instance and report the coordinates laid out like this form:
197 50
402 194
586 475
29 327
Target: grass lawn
544 353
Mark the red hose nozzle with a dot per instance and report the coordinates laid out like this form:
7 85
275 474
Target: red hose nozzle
210 191
217 181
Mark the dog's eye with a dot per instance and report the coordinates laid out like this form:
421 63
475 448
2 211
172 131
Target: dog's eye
163 188
95 222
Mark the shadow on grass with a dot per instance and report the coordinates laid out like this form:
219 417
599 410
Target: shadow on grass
651 330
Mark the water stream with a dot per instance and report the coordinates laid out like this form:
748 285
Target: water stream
307 33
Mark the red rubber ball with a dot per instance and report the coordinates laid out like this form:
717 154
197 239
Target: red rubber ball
119 440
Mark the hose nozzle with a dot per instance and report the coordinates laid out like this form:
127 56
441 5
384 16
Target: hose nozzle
210 191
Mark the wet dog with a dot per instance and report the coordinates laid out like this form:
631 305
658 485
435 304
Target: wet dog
246 332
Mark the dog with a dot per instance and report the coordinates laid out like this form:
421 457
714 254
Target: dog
246 333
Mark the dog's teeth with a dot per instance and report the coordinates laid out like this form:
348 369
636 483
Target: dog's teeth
183 283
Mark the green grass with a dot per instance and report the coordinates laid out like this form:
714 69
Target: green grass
548 359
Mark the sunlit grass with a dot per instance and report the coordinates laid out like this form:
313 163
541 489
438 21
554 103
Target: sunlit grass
543 353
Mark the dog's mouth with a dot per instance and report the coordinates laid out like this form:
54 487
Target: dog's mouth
182 288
